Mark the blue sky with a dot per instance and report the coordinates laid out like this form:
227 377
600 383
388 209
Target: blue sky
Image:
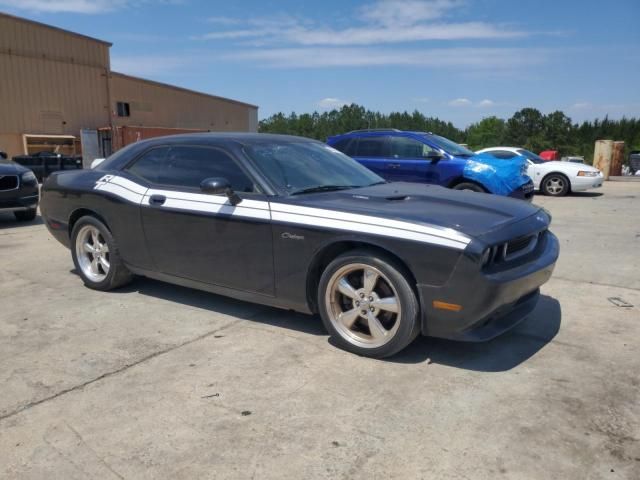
460 60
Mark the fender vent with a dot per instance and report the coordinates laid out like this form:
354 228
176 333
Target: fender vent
397 198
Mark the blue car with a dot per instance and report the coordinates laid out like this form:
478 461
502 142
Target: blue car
403 156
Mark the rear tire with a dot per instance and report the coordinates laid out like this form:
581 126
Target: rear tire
96 256
26 215
471 187
555 185
368 305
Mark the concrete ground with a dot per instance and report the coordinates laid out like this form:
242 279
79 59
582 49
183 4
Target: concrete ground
157 381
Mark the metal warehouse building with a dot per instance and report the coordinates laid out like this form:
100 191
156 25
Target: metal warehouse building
58 93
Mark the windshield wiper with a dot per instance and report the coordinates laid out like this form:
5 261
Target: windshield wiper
323 188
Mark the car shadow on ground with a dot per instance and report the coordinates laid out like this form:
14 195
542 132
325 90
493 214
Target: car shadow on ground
500 354
8 220
585 194
289 320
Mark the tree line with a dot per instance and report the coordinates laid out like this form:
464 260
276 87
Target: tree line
528 128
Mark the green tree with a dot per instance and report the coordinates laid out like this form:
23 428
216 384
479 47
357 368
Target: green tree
488 132
526 129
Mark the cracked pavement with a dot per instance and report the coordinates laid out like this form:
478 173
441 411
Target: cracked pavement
159 381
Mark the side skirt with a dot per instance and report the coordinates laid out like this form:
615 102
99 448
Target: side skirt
251 297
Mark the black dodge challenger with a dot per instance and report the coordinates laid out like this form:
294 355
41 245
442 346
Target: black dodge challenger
290 222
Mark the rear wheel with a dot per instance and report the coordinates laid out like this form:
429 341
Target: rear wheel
471 187
368 305
26 215
96 257
555 185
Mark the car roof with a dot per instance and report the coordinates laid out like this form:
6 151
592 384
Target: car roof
218 138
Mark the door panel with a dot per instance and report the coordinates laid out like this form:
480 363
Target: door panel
204 237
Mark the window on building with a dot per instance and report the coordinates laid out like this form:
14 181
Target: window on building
189 166
123 109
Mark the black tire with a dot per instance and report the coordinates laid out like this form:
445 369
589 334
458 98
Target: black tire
555 185
118 274
394 279
473 187
26 215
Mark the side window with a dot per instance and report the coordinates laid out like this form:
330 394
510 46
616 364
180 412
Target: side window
189 166
150 165
502 154
342 145
373 147
404 147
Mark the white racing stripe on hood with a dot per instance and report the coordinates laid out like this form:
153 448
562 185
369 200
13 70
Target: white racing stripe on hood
357 219
287 213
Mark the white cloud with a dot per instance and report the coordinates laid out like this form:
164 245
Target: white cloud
581 106
78 6
149 65
385 21
331 103
460 102
66 6
408 12
495 59
486 103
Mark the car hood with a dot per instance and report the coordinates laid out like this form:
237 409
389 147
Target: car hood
569 166
7 167
474 214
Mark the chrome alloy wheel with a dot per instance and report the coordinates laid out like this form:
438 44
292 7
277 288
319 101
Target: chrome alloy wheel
363 305
555 185
92 252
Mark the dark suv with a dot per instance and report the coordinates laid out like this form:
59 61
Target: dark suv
18 189
403 156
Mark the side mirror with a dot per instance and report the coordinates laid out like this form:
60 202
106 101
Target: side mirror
434 156
4 155
217 186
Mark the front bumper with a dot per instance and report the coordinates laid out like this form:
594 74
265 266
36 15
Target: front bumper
492 302
580 184
21 199
524 192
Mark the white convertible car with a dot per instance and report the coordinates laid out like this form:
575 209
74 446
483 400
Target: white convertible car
552 178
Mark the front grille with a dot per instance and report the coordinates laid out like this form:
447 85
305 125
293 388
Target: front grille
518 244
8 182
528 187
513 249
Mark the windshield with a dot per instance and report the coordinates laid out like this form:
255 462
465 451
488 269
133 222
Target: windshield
531 156
304 167
452 148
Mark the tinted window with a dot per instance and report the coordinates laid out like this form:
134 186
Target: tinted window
342 145
452 148
531 156
403 147
298 165
189 166
503 154
373 147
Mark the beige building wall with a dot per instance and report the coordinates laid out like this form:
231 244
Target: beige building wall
51 82
55 82
154 104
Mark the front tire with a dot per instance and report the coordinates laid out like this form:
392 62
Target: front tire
470 187
555 185
26 215
96 257
368 305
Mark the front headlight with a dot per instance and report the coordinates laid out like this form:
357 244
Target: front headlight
28 177
585 173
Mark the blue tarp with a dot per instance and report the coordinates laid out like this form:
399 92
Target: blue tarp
498 175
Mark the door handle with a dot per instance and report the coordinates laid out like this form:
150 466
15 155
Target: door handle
157 200
393 165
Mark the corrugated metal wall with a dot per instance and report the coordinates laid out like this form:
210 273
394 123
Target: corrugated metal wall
158 105
57 82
